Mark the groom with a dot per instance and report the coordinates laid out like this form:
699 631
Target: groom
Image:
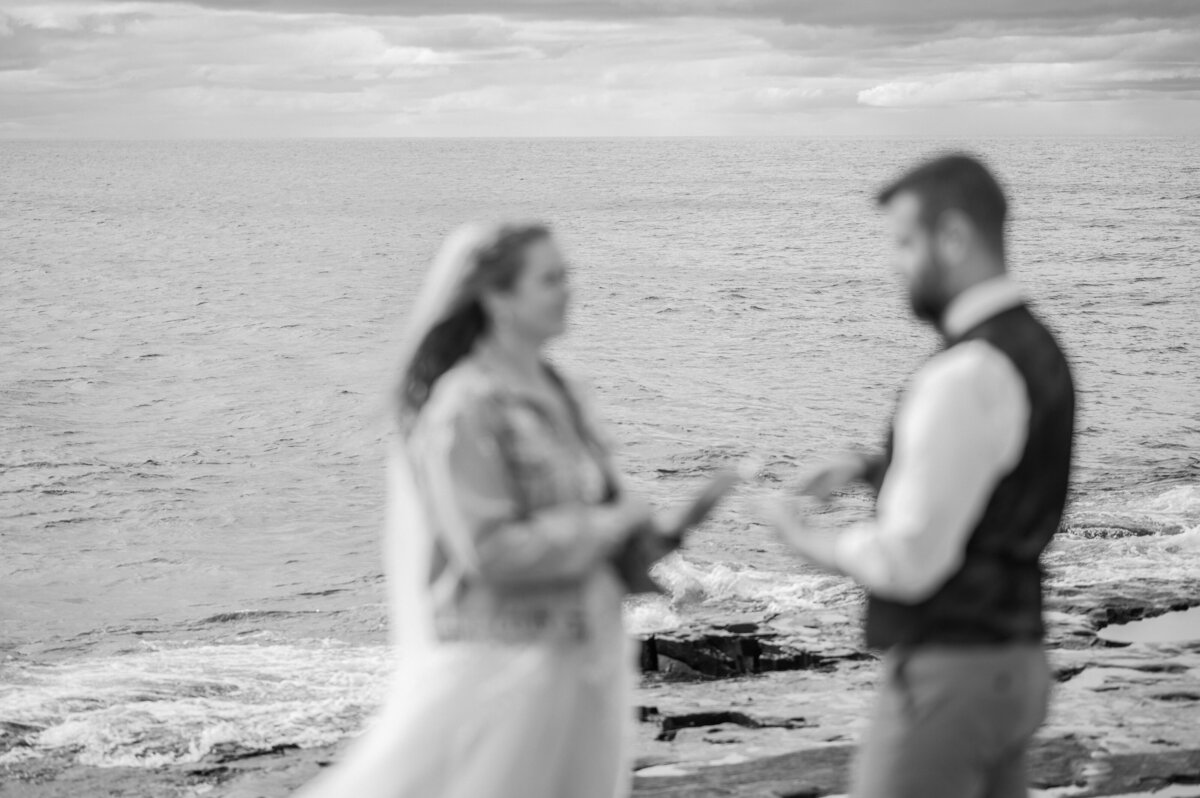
970 490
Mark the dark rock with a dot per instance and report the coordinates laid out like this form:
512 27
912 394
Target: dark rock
1159 667
231 752
1175 696
738 649
1068 672
673 723
16 735
648 655
672 669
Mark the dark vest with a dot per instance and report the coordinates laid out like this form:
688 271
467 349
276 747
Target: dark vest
996 595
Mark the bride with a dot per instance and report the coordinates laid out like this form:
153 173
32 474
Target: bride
509 547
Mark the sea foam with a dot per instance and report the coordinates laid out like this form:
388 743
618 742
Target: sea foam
174 704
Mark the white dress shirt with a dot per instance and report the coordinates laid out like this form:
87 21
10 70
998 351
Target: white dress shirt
961 427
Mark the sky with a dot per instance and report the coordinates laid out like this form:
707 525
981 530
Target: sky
383 68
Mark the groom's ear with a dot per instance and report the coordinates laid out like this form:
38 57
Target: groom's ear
952 235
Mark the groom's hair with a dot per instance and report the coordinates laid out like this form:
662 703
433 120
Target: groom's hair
960 182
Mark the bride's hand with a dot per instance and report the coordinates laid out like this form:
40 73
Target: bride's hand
655 542
633 513
834 476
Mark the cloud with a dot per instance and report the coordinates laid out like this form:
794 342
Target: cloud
1114 62
27 38
535 67
868 13
1011 82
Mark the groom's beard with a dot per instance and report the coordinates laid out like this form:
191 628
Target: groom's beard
925 294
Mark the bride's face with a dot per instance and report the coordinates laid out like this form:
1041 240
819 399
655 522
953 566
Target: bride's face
536 305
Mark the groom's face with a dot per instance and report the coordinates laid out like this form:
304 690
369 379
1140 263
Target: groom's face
916 257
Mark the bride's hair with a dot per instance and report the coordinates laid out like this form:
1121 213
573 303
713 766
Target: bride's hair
493 265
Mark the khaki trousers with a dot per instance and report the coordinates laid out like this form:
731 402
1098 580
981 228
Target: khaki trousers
953 722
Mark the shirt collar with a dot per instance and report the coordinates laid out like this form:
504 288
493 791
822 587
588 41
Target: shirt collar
979 303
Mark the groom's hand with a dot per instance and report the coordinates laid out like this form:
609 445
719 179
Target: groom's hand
835 476
818 546
780 513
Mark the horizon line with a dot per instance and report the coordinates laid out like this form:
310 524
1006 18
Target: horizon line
612 137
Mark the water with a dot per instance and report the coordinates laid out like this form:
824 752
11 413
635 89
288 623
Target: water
1170 791
1172 627
196 340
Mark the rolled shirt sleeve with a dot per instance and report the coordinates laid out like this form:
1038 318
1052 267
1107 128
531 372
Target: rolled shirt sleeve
472 499
961 429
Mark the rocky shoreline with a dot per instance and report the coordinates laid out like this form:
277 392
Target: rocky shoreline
759 705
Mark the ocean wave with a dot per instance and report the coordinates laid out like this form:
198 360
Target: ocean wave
1103 531
1169 511
174 704
695 591
1080 560
1155 533
1182 500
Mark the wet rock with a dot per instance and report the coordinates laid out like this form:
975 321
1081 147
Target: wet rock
16 735
1055 762
815 772
1113 701
1145 772
1065 673
787 711
231 752
672 723
644 762
672 669
1079 611
1177 696
745 646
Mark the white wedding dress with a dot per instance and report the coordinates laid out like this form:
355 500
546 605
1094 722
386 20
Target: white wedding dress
473 720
